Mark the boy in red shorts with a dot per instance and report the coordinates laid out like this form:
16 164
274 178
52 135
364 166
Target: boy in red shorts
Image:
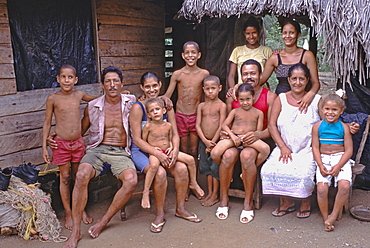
65 105
189 81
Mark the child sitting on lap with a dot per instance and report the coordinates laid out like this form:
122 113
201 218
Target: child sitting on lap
158 133
241 121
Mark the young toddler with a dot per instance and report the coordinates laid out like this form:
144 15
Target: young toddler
158 133
239 122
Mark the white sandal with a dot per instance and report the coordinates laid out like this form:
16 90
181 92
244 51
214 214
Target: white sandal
222 211
247 214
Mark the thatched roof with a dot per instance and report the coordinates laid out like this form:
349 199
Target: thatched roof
344 24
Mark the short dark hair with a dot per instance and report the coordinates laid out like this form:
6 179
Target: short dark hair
299 66
148 74
154 100
292 22
68 66
251 62
190 43
245 88
212 78
252 22
111 69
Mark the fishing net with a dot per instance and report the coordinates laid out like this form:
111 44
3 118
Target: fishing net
37 218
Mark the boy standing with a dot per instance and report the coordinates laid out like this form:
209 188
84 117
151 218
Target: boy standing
65 105
189 87
210 116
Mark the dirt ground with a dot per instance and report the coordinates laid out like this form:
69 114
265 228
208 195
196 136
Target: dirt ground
264 231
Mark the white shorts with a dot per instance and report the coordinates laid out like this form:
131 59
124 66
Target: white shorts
329 161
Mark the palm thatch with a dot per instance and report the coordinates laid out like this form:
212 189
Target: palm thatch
344 24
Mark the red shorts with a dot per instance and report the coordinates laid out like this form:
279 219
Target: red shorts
186 124
68 151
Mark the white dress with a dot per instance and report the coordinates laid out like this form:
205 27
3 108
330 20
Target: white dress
296 178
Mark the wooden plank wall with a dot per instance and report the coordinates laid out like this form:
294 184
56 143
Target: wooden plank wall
7 75
130 36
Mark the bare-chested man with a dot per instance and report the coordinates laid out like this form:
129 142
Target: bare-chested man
189 87
109 142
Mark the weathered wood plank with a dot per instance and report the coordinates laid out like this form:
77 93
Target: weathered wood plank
3 13
154 9
4 33
131 33
133 76
122 48
7 86
6 54
33 101
143 21
20 141
132 63
33 156
7 71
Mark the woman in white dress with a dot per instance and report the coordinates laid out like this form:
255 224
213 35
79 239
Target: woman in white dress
290 169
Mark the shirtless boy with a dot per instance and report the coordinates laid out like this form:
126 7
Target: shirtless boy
189 87
65 105
158 133
210 115
241 121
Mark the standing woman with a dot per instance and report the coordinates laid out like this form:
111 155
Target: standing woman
251 50
289 56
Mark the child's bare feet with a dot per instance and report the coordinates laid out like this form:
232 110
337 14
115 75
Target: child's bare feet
95 230
329 224
210 201
86 218
145 201
68 222
199 193
205 199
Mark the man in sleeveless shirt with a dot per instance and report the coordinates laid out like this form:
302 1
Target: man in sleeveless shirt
251 73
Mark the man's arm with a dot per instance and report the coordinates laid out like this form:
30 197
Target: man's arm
85 122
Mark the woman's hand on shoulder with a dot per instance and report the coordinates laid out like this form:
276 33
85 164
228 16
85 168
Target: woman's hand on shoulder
167 102
306 102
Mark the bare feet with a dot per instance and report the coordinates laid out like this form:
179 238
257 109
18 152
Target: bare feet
86 218
73 240
210 201
205 199
68 222
95 230
145 201
197 190
328 224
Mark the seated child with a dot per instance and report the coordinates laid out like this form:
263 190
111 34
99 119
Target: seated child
158 134
332 148
239 122
65 105
210 115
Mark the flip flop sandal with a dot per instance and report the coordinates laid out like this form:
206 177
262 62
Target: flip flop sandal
222 211
157 228
194 218
284 211
303 212
246 214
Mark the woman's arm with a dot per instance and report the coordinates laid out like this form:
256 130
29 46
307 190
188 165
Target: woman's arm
285 152
231 76
310 60
270 66
175 137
